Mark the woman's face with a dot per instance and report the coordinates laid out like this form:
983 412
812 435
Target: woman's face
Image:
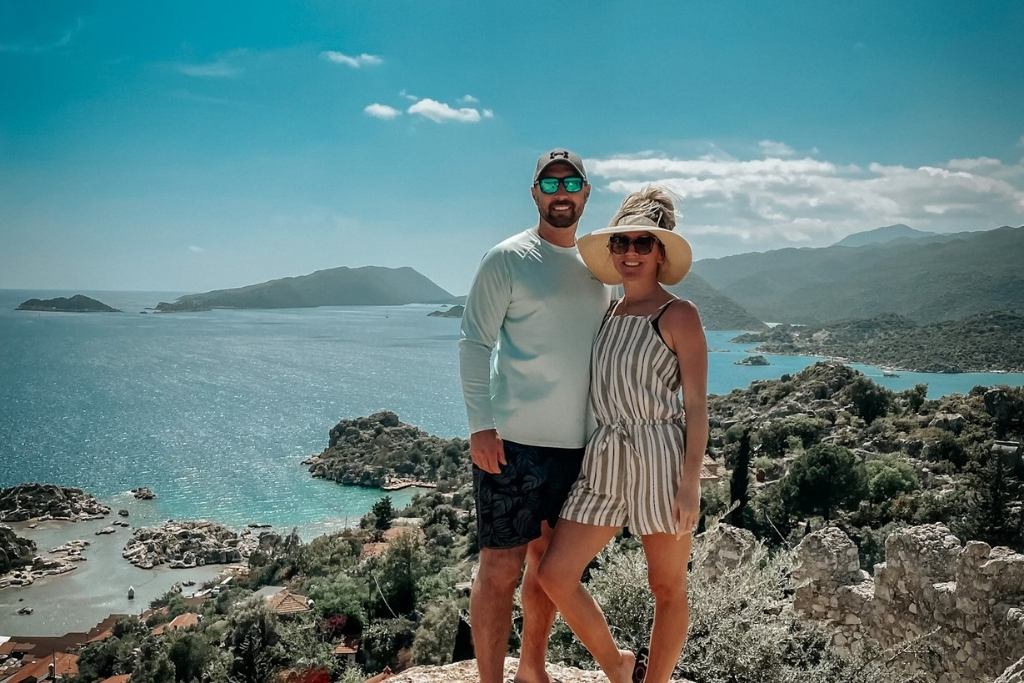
631 264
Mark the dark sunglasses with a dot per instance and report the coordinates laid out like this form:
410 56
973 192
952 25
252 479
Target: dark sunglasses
619 244
550 185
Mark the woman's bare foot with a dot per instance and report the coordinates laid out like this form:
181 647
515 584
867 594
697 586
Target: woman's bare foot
624 674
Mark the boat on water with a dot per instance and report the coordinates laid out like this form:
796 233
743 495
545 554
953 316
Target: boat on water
889 372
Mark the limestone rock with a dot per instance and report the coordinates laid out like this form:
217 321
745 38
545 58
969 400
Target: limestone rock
183 545
26 502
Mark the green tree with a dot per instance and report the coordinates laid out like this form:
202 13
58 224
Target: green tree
888 478
190 653
823 479
435 637
254 644
739 484
152 664
341 596
384 513
870 401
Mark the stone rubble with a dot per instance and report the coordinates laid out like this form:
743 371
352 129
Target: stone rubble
965 601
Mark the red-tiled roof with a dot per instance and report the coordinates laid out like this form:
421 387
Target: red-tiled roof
287 602
186 620
123 678
66 665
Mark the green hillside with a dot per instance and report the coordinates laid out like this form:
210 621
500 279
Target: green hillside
926 280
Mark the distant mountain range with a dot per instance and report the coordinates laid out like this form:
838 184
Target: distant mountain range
717 311
928 278
366 286
882 235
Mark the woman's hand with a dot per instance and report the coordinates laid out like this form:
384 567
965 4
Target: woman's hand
686 507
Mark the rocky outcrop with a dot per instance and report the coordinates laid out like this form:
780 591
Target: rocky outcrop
966 601
465 672
15 551
47 501
454 312
373 450
753 360
24 567
183 545
142 493
79 303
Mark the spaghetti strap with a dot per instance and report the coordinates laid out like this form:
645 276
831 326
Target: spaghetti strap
608 313
661 311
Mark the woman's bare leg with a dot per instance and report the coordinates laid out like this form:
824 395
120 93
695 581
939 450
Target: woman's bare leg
573 546
667 558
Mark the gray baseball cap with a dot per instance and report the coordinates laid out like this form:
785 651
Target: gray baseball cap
560 156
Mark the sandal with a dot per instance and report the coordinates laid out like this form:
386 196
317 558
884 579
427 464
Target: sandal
640 668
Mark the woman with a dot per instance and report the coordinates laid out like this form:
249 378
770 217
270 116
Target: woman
641 469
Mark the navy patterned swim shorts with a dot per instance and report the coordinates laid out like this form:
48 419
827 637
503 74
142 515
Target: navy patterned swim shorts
530 489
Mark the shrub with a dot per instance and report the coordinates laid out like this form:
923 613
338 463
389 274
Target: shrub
435 638
739 630
889 477
869 400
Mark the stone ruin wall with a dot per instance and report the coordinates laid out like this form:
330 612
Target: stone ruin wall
971 597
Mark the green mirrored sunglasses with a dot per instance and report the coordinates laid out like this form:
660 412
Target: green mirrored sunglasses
550 185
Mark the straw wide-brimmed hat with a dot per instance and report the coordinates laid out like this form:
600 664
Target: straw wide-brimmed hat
594 250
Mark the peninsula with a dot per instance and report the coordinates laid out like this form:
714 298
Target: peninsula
79 303
978 343
366 286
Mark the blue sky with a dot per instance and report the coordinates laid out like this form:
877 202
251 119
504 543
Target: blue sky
190 146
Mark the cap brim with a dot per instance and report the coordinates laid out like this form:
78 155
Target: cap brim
593 249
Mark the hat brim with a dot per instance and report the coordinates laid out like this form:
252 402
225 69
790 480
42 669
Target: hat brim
594 250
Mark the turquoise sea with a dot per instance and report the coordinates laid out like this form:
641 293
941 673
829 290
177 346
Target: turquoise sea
214 411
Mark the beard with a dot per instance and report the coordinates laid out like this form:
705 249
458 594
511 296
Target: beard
562 219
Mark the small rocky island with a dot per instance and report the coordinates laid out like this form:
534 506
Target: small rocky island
753 360
453 312
183 545
381 451
79 303
28 502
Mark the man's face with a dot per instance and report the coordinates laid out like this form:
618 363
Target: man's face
561 209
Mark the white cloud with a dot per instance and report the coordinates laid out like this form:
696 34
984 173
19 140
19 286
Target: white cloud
196 250
217 69
736 205
771 148
487 114
404 93
356 62
468 99
44 46
439 112
381 111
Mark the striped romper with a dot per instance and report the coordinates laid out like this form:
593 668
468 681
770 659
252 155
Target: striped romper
634 460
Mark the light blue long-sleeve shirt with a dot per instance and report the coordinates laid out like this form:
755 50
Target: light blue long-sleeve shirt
538 308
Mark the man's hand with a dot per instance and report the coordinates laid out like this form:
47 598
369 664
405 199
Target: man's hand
487 451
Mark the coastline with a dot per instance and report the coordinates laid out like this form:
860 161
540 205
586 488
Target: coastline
97 587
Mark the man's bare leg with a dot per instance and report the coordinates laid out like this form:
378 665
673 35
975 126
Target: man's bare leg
490 608
538 614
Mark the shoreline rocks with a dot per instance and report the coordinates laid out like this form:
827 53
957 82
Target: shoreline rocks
184 545
142 493
27 502
20 566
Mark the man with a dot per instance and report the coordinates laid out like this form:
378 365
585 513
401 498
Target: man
535 304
